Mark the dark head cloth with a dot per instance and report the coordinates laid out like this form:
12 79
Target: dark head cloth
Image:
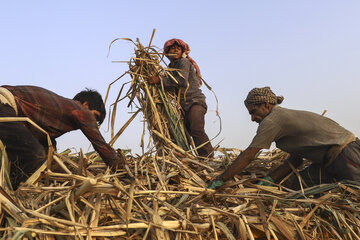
262 95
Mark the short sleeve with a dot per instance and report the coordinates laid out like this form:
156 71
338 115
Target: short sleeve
267 132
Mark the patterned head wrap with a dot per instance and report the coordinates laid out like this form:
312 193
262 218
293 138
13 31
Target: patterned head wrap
186 50
262 95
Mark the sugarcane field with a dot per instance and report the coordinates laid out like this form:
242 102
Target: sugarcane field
173 190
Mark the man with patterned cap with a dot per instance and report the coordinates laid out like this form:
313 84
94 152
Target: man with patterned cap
188 81
333 150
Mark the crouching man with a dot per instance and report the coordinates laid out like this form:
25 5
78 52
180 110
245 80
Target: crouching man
333 150
27 147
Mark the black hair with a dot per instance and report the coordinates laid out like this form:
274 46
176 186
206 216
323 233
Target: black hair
95 101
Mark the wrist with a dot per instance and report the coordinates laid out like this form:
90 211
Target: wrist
269 178
220 178
216 183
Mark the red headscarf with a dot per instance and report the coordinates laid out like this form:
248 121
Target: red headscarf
186 50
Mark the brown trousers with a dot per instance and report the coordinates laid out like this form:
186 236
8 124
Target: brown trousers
345 166
24 151
195 123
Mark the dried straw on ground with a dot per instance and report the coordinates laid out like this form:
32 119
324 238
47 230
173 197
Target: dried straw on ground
165 198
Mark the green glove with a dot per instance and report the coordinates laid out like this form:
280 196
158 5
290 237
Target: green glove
216 184
263 183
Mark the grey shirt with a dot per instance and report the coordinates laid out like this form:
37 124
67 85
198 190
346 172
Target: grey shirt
188 83
300 133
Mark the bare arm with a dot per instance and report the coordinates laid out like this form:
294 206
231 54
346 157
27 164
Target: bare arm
240 163
284 169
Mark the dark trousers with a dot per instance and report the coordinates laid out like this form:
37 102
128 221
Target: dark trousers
195 123
345 166
24 151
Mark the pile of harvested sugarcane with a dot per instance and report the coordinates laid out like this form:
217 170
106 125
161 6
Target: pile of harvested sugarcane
166 198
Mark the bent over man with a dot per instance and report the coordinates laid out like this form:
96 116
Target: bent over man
333 150
27 147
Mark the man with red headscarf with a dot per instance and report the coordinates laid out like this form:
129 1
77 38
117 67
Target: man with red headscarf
188 77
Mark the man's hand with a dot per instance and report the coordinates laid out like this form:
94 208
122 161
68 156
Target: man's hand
116 165
218 182
119 163
266 183
154 79
243 160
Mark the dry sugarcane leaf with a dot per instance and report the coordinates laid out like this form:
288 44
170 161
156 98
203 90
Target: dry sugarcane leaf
284 228
5 168
9 205
225 230
122 129
235 202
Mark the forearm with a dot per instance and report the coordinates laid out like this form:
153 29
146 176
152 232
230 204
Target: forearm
242 161
106 152
284 169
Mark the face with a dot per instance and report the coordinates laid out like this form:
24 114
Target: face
97 114
259 112
175 52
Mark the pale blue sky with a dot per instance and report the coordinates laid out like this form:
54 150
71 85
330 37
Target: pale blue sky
308 51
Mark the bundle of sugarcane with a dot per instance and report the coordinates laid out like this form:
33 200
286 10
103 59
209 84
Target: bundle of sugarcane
161 108
166 198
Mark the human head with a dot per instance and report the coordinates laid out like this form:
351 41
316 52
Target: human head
185 53
185 47
94 100
260 102
175 52
258 96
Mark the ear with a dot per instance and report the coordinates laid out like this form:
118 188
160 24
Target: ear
268 106
86 104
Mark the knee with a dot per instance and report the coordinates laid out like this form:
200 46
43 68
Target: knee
196 126
35 157
196 130
40 156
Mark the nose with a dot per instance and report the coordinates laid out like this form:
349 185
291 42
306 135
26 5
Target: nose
253 118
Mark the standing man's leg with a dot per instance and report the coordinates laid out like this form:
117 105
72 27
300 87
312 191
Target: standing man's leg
195 123
24 151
